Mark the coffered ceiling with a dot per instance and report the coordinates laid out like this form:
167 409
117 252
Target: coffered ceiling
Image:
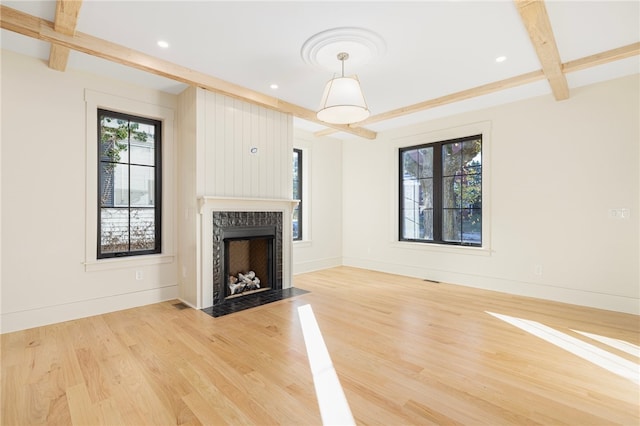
420 59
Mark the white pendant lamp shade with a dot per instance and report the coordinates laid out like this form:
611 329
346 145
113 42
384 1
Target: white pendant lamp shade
343 101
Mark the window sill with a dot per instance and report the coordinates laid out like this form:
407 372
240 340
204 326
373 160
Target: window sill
302 243
443 248
127 262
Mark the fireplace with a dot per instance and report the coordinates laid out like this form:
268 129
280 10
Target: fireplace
247 253
249 259
217 215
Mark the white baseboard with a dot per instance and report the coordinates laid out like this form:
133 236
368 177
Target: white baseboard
610 302
189 304
316 265
14 321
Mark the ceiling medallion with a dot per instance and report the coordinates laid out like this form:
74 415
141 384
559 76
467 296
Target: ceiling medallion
363 46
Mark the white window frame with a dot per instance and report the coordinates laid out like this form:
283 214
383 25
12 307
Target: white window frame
93 101
430 136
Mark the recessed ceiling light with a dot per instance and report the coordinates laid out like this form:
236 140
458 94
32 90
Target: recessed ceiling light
501 58
163 44
274 86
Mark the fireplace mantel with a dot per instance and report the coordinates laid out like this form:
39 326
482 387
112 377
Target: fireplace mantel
245 204
206 207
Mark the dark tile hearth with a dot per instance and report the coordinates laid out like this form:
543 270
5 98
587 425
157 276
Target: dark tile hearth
241 303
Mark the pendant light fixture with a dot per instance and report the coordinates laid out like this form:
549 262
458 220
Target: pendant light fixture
343 101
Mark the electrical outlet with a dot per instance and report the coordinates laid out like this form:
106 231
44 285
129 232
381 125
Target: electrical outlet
537 270
619 213
139 276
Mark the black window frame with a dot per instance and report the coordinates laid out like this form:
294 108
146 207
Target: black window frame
299 207
438 204
157 208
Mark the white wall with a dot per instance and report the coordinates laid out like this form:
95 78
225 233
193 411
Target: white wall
555 169
46 275
321 246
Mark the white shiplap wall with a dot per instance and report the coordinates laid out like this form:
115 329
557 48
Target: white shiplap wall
215 160
232 128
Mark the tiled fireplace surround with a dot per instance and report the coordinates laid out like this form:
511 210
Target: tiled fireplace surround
247 225
219 213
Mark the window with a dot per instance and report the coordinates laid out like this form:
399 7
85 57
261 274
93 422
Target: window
297 194
129 180
441 192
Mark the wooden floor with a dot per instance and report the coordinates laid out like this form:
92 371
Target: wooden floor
406 352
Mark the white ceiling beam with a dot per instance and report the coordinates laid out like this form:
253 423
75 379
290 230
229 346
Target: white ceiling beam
65 22
41 29
536 21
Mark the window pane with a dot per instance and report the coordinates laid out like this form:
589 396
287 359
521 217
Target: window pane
143 230
426 229
106 184
410 164
451 225
114 235
296 176
417 223
472 170
426 193
296 224
142 186
410 224
114 185
142 144
143 153
472 226
451 159
472 191
417 194
425 156
411 195
114 140
472 156
451 192
121 186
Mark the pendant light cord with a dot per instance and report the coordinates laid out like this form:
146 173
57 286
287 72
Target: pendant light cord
343 56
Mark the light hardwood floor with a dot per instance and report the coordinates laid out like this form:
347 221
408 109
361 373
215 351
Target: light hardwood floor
406 352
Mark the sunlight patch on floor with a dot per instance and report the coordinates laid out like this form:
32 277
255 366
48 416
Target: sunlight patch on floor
621 345
333 404
591 353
